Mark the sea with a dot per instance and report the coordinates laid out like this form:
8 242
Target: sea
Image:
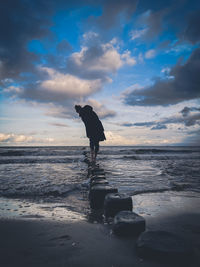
57 177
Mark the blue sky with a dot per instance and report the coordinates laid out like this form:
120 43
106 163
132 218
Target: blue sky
136 62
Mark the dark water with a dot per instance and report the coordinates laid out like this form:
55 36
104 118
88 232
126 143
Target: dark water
58 171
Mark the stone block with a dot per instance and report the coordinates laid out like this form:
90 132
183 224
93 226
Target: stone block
128 223
98 182
97 177
97 195
115 203
95 171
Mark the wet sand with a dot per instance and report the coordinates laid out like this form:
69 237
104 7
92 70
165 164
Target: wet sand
44 240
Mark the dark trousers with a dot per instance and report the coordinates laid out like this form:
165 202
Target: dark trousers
94 145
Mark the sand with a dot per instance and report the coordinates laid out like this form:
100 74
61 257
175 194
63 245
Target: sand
49 239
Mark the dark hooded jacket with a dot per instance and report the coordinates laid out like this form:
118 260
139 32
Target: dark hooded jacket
94 127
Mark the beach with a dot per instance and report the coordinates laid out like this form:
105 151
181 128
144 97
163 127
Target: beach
48 222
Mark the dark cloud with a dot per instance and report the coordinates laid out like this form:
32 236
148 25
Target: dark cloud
186 110
111 11
192 120
87 58
127 124
188 120
21 22
147 124
156 125
58 124
190 117
25 20
184 86
180 18
154 21
192 30
159 126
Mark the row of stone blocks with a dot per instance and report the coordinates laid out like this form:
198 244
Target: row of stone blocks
119 206
159 245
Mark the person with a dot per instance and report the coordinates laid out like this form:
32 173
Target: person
94 128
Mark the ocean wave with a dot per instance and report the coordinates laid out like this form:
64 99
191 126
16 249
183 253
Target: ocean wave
39 151
163 151
161 157
172 187
40 160
32 192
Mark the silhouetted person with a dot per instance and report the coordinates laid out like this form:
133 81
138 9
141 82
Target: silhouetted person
94 128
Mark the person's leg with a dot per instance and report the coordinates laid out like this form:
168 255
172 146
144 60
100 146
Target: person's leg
96 149
92 149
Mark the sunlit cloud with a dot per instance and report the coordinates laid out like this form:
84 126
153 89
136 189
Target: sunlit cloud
113 138
11 138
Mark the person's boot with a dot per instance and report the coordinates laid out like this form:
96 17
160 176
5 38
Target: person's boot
95 156
92 156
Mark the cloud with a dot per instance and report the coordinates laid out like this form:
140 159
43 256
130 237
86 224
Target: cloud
164 17
188 120
11 138
159 126
153 20
89 70
127 59
68 112
57 88
58 111
136 34
166 70
58 124
127 124
12 90
66 85
139 124
186 110
184 86
21 22
192 29
190 116
117 139
156 125
150 54
100 109
112 10
24 21
98 60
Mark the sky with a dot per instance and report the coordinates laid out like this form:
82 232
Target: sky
137 63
